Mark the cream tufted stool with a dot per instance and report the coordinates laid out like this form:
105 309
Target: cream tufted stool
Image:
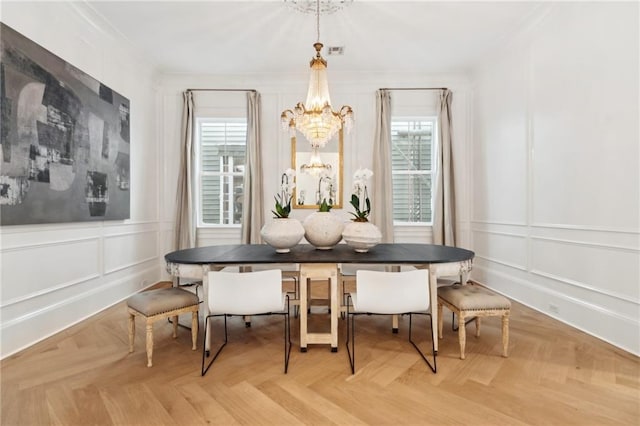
154 305
474 301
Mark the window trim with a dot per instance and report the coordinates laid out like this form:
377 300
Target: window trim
434 120
198 173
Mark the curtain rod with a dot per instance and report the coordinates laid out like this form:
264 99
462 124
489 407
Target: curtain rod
414 88
221 90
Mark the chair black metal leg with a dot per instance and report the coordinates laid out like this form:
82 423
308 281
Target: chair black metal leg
351 334
287 337
433 348
205 353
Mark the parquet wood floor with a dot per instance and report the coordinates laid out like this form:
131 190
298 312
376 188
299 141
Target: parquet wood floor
555 375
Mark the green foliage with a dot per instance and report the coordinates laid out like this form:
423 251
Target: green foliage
325 207
360 215
282 211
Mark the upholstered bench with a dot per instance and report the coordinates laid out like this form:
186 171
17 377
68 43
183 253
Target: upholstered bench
468 301
154 305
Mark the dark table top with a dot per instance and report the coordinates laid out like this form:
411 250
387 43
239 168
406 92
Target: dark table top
396 254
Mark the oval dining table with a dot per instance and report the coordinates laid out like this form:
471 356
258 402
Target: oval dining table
314 264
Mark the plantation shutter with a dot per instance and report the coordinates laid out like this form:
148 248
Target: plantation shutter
222 153
411 152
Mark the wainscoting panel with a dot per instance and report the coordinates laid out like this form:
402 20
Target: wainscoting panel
15 308
600 297
36 269
501 247
35 325
16 237
585 277
607 324
599 268
614 237
123 251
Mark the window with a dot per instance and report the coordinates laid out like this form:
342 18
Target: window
412 151
221 144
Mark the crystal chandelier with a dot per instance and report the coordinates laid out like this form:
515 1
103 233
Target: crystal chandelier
316 119
315 166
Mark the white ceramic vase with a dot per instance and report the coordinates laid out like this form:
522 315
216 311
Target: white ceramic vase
323 230
361 236
282 233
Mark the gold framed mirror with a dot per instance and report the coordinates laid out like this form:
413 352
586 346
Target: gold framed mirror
315 183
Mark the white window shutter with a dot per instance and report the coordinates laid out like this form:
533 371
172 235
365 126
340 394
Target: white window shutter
412 152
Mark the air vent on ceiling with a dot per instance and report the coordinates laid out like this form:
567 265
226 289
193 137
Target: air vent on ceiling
335 50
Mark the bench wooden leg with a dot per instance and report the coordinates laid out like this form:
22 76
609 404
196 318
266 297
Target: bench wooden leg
149 343
477 320
505 335
132 331
194 329
440 320
175 326
462 333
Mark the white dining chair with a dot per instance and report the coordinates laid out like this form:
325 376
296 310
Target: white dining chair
389 293
244 294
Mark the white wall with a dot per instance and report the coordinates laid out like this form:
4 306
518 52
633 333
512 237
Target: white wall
556 183
58 274
280 92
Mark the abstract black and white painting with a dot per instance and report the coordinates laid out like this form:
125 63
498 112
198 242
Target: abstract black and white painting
64 153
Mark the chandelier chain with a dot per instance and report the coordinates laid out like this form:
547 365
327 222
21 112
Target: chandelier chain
318 20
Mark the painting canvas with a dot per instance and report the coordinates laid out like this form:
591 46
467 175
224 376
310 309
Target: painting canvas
64 136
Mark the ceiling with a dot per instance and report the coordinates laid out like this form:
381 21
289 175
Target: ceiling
246 37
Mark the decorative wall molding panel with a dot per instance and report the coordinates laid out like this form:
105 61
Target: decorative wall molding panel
29 326
576 210
588 288
47 276
505 248
122 251
605 323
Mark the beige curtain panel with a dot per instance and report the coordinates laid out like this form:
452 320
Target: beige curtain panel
444 210
184 228
252 201
382 200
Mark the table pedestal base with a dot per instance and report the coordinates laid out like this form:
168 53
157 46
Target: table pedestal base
317 272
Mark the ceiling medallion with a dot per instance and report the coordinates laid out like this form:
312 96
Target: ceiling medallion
309 6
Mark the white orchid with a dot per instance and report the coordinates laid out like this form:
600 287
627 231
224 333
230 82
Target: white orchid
283 200
362 174
360 178
325 178
287 188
